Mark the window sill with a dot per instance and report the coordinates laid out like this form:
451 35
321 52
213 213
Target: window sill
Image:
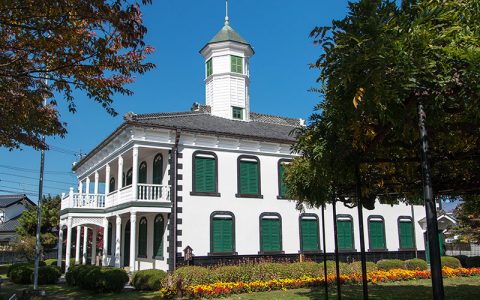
221 253
283 198
249 196
205 194
271 252
141 256
310 251
158 257
407 249
347 250
378 250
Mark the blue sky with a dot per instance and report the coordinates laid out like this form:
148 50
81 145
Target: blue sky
280 77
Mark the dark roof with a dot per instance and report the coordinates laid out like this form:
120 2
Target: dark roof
8 200
227 34
10 225
260 126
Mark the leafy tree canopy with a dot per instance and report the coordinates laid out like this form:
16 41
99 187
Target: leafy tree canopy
468 217
92 46
377 64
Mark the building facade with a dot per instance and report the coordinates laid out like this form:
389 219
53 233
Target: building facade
211 179
11 208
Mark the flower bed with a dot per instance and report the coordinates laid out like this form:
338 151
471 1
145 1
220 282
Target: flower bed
220 289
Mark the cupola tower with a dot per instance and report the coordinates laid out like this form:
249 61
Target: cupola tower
227 73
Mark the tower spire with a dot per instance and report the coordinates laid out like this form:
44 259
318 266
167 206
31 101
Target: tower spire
226 13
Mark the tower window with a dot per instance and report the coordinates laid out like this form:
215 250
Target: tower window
237 113
237 64
209 67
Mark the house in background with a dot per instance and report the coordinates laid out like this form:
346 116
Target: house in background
211 180
11 208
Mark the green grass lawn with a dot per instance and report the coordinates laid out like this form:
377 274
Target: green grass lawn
455 288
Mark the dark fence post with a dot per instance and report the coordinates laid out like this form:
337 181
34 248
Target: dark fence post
362 234
337 264
325 273
431 211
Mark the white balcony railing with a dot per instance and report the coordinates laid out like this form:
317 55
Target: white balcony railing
145 192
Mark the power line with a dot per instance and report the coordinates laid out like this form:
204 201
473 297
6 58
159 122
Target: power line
22 176
18 192
30 184
9 187
34 171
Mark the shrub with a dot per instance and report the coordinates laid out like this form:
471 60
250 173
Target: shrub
75 273
451 262
356 267
148 279
47 275
389 264
21 273
463 260
89 278
192 275
51 262
113 279
14 266
416 264
472 262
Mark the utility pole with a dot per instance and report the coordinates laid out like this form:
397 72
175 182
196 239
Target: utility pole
431 210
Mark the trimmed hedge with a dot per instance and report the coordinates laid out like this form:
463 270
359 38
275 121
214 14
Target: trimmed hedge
473 262
48 275
416 264
51 262
148 280
22 273
390 264
96 278
452 262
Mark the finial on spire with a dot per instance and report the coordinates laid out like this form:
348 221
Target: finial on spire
226 13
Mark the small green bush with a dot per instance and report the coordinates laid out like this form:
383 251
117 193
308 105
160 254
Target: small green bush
150 280
21 274
90 278
451 262
51 262
47 275
192 275
113 279
416 264
356 267
472 262
389 264
75 273
14 266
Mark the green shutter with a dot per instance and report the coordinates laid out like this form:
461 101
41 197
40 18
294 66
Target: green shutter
309 228
109 240
157 169
209 67
345 234
237 64
142 238
249 178
376 234
406 235
205 175
158 232
222 235
283 187
270 233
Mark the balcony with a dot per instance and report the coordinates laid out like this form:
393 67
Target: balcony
144 192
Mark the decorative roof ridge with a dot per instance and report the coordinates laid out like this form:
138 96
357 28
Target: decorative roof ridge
167 115
13 196
267 118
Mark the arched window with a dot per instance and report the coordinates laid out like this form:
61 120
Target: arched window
376 233
157 169
204 173
158 231
112 185
309 237
345 232
270 233
128 179
282 187
142 238
248 173
142 173
110 237
222 233
405 233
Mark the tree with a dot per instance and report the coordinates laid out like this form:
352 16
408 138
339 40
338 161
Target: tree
377 64
28 227
91 46
468 216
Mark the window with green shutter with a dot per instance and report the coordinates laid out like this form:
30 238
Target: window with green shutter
158 232
209 67
237 113
270 234
345 234
376 233
142 173
237 64
405 231
157 169
142 238
309 234
222 234
109 239
205 174
249 177
282 187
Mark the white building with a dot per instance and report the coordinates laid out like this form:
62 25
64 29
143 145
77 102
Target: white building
211 179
